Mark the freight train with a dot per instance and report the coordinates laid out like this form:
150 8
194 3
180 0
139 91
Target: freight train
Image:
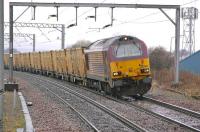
117 65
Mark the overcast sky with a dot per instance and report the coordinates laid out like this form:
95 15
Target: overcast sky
150 25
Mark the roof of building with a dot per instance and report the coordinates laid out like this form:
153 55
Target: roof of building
191 63
197 52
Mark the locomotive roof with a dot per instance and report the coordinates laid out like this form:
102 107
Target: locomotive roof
104 44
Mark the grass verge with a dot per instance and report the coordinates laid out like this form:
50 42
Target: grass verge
12 119
189 83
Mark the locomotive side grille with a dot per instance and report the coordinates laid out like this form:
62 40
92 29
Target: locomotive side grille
96 63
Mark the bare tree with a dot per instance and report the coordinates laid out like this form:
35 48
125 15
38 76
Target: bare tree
81 43
160 58
184 53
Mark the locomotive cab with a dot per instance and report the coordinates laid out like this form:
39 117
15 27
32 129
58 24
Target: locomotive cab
128 59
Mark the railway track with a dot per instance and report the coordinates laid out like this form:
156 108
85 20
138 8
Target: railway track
157 115
194 114
188 112
74 109
174 107
47 84
135 106
166 117
184 117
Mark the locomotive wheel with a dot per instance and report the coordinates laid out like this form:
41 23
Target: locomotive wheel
114 92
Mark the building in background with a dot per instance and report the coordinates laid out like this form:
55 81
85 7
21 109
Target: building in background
191 63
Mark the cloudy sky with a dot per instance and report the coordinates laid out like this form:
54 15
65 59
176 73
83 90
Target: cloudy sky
150 25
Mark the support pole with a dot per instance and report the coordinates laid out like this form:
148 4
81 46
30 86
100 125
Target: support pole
1 61
167 16
76 15
33 12
11 45
177 45
33 42
63 37
190 38
95 14
111 16
57 13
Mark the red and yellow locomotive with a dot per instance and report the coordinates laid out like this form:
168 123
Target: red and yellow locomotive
121 64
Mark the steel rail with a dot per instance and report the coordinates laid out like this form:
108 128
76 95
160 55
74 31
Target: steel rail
165 118
72 108
122 119
174 107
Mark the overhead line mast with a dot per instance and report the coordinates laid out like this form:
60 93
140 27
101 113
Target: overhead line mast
59 27
25 35
189 16
1 62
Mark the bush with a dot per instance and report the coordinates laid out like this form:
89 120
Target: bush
160 58
189 83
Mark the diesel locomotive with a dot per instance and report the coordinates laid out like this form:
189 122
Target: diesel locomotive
120 64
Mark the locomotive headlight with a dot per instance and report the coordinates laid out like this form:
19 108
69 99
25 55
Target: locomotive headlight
144 70
116 73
